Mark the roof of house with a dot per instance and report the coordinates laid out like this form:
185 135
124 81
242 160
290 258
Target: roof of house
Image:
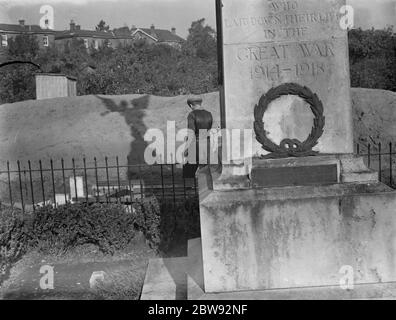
122 32
160 34
83 33
21 29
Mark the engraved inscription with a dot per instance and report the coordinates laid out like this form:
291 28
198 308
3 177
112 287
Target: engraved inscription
283 5
263 52
284 20
274 72
271 62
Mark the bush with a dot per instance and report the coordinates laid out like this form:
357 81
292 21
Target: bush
109 227
167 223
58 230
55 231
14 238
372 58
148 220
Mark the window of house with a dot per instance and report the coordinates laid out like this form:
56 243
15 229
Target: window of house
96 43
86 44
4 40
45 41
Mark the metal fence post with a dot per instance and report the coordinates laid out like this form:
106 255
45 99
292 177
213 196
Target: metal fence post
162 182
64 179
173 184
369 155
31 184
9 183
53 182
85 180
390 164
140 181
107 178
97 181
20 186
129 182
75 179
42 181
118 180
380 161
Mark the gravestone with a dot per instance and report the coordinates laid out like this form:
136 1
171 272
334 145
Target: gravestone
76 188
270 43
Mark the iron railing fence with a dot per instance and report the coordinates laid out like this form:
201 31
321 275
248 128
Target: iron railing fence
380 157
32 184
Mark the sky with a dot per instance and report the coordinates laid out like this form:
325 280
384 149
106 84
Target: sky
164 14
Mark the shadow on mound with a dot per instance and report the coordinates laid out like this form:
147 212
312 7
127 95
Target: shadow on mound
133 113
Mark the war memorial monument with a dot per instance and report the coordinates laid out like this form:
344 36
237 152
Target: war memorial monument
297 213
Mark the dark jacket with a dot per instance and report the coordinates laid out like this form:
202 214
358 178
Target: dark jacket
198 120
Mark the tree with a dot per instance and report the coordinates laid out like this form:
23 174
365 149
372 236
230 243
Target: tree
201 40
23 46
102 26
17 80
372 55
17 83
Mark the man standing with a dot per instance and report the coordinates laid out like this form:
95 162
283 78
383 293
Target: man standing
198 119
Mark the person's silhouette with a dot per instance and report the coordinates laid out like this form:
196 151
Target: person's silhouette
198 119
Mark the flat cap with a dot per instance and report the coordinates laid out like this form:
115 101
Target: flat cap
194 100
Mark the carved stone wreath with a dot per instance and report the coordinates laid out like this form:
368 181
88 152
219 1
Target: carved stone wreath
289 147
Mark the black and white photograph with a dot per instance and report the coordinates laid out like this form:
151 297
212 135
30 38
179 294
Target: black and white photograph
159 151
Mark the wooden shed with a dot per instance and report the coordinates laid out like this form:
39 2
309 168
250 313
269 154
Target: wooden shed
55 85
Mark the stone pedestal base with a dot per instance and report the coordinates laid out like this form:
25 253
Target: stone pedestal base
287 242
182 279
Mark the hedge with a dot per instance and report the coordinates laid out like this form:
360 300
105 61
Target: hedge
110 227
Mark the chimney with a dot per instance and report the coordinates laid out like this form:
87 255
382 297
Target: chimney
152 27
78 27
174 30
72 25
22 23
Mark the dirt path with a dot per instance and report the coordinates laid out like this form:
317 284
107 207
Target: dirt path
72 271
70 281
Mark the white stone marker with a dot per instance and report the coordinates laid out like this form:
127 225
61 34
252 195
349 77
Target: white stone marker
96 277
80 188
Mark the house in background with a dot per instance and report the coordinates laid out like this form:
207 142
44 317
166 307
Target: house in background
45 37
91 38
118 37
122 36
158 36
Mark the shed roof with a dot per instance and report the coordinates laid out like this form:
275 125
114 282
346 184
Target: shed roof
56 75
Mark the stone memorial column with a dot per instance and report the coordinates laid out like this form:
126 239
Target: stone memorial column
267 44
